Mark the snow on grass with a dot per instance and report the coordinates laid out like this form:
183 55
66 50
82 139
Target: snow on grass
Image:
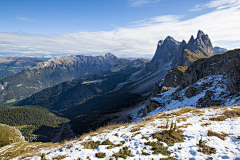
136 141
218 85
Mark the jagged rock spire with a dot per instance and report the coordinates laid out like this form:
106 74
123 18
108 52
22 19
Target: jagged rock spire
166 49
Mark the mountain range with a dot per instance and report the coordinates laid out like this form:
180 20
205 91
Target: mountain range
54 71
12 65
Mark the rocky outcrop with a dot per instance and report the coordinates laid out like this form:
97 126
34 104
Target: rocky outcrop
213 81
166 50
171 80
219 50
208 100
195 49
226 64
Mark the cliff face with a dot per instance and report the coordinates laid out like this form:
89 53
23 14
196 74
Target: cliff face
169 53
227 64
195 49
171 80
213 81
166 50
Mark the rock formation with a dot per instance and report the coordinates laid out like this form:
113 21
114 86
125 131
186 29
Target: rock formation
226 64
213 81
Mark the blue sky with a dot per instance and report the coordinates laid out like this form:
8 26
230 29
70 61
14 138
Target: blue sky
126 28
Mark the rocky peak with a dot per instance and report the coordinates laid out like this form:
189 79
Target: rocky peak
191 40
110 55
195 49
160 42
166 49
200 34
202 43
169 38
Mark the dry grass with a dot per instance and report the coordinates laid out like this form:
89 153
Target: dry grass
221 136
69 146
198 111
9 135
136 134
184 110
214 107
235 112
145 153
123 153
205 149
185 125
144 137
59 157
24 148
168 158
111 145
100 155
150 118
91 144
135 129
238 137
107 142
162 127
218 118
158 148
171 136
205 124
181 118
104 129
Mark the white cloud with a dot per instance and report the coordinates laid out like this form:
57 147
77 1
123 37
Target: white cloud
197 7
222 26
25 19
138 3
222 3
156 20
219 4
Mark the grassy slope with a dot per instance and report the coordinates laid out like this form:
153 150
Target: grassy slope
144 133
9 135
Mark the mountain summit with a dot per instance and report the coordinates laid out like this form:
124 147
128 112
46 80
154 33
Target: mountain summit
170 53
201 47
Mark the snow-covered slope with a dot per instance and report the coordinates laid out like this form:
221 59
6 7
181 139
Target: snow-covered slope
215 84
208 133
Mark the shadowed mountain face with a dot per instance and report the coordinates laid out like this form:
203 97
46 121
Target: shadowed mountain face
219 50
169 53
54 71
71 93
12 65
